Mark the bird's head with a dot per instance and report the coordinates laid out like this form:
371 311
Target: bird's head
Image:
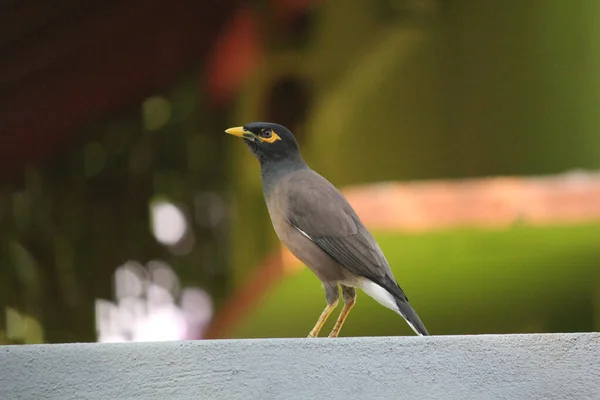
268 141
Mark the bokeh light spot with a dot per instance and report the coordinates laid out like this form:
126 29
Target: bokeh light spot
154 312
156 112
129 280
168 222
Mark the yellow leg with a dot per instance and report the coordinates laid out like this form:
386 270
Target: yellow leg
341 319
324 315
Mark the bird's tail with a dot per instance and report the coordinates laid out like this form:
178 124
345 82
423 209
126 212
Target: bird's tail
389 294
405 309
411 316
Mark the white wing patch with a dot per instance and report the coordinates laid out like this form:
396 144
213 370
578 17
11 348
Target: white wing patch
303 233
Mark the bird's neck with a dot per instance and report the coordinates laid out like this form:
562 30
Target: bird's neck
273 170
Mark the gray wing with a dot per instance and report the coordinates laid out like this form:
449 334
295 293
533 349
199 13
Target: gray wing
321 213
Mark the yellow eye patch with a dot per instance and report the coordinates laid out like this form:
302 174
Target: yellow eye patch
273 138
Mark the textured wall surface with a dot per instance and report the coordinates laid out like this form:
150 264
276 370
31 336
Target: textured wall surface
548 366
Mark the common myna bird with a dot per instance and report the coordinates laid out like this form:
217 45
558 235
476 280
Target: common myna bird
320 228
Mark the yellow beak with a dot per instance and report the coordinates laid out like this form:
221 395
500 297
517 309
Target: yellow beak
237 131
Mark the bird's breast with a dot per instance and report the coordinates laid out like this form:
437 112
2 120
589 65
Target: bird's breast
277 208
304 249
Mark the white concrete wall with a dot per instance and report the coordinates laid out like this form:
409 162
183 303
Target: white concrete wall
520 367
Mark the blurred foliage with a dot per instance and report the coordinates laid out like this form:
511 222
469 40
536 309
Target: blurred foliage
474 89
521 279
67 225
374 90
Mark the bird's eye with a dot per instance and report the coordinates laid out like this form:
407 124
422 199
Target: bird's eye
266 133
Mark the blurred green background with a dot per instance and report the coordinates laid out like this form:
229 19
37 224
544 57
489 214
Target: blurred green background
124 207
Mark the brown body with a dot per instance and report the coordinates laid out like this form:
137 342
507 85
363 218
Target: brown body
280 204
